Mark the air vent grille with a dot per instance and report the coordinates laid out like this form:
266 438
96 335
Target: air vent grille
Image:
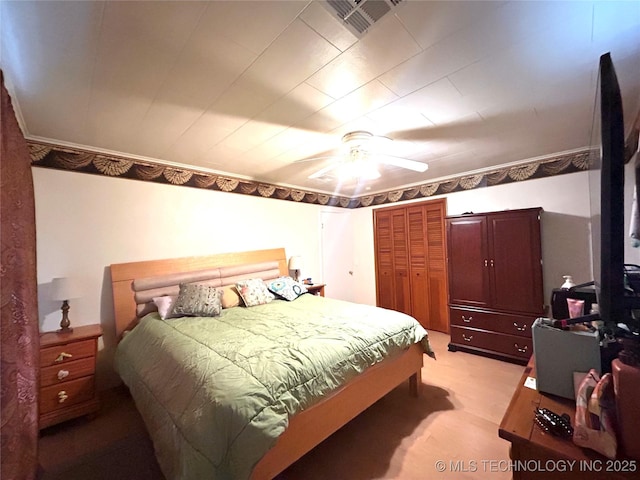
360 15
357 21
342 7
376 9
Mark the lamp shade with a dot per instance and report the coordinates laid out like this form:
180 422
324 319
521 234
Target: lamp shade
65 288
295 263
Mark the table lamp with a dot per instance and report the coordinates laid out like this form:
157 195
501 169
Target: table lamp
64 289
295 264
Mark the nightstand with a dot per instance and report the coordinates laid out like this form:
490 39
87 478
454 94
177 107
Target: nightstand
317 289
67 374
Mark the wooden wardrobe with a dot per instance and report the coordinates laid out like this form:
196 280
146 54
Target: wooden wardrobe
410 259
495 282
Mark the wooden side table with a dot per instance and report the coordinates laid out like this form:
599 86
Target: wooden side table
539 455
67 374
317 289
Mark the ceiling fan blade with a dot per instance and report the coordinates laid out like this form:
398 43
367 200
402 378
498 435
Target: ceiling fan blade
324 170
402 163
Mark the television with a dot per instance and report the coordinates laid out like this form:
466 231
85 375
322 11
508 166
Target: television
615 302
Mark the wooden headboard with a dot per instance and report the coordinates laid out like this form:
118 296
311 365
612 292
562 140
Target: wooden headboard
123 275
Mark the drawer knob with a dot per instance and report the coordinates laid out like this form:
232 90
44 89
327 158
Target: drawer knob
63 374
63 356
466 319
521 349
467 339
62 396
520 328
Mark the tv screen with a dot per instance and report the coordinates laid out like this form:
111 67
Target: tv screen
607 196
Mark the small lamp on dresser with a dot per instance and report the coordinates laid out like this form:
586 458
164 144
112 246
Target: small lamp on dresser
64 289
295 264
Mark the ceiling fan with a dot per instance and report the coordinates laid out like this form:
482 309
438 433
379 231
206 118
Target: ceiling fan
361 155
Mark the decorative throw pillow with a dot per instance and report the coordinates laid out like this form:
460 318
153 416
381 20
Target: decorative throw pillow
230 297
197 300
287 288
254 292
164 305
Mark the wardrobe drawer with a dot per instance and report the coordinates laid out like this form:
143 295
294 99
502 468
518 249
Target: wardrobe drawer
496 322
56 374
499 343
65 394
67 352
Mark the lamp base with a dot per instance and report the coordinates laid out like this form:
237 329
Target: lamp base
65 324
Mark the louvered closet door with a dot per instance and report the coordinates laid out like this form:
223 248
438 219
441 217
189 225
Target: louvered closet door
384 260
402 283
418 260
410 262
437 267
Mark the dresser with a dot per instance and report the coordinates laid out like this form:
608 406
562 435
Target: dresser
537 455
495 282
67 374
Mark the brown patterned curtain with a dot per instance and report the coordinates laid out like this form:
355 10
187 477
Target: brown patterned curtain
19 334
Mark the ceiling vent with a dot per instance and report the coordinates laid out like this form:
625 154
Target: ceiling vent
359 15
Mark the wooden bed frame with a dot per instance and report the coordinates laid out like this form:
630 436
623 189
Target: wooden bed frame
310 427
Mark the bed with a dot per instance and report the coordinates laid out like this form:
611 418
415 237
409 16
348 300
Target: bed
256 434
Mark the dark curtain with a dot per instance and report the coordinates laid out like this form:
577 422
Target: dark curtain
19 334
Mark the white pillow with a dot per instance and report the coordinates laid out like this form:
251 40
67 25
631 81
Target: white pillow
164 305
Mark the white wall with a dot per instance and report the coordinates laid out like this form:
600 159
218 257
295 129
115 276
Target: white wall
87 222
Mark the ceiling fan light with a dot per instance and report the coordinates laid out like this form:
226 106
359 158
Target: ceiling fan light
358 170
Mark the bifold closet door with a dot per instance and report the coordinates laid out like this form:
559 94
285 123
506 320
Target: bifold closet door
411 274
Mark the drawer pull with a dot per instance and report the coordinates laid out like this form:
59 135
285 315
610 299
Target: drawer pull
467 339
466 319
62 396
62 356
519 328
63 374
521 349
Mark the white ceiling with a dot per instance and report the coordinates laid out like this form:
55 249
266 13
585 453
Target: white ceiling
247 88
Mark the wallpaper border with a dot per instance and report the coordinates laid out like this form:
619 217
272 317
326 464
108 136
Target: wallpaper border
72 159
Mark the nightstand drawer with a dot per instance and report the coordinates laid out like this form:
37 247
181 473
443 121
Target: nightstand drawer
57 374
67 352
67 393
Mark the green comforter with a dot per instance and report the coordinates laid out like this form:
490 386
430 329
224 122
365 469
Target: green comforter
217 392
